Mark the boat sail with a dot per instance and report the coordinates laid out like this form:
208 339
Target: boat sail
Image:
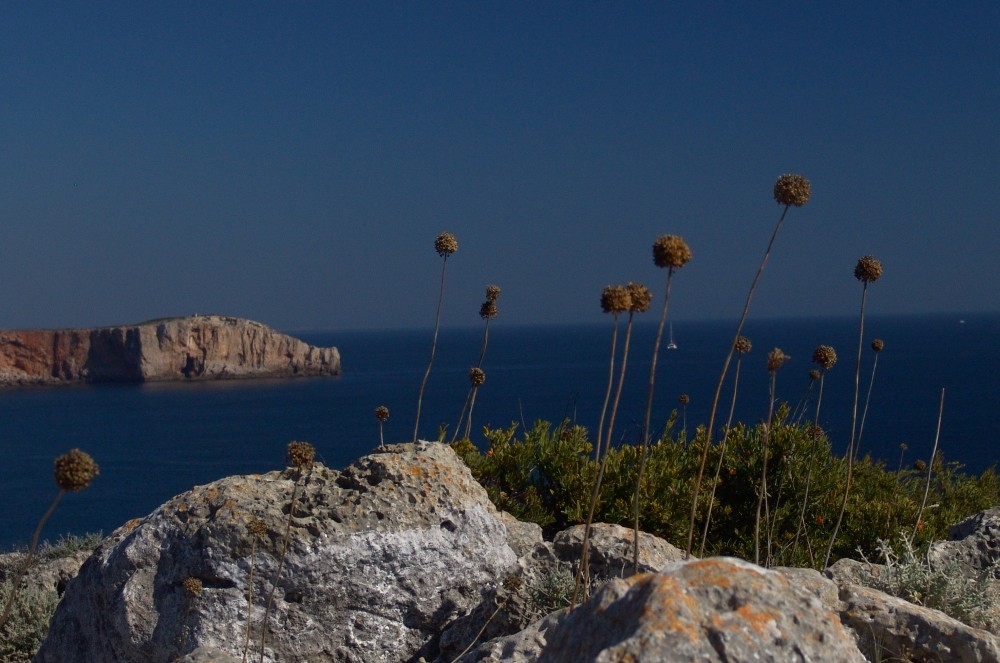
671 345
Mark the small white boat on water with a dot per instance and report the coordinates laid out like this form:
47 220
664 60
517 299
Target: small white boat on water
671 345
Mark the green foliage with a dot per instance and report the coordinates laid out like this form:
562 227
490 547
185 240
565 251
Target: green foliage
547 475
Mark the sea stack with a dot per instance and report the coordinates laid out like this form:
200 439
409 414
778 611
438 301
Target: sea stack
199 347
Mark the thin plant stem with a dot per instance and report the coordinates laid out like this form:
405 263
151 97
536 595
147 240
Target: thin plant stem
930 468
864 413
281 565
472 404
607 392
469 397
583 573
427 374
645 425
762 496
812 455
854 421
722 454
621 381
29 558
381 435
718 386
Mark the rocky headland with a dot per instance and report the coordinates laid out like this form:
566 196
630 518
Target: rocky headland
200 347
401 557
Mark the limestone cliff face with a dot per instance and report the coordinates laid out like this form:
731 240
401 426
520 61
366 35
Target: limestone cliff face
202 347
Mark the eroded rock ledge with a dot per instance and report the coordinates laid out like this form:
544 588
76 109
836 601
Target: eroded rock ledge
200 347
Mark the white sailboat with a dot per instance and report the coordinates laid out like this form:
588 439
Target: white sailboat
671 345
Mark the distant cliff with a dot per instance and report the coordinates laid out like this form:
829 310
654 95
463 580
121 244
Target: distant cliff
201 347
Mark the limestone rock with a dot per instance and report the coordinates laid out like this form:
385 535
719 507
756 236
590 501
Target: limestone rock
197 347
717 609
898 630
974 543
611 550
380 558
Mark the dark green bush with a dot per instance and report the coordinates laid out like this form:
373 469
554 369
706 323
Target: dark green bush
546 476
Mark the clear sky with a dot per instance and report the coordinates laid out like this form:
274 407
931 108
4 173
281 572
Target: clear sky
293 162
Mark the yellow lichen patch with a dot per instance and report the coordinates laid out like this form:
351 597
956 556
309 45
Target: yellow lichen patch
761 621
670 607
711 572
130 525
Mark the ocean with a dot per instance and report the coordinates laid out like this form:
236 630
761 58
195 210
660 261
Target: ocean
154 441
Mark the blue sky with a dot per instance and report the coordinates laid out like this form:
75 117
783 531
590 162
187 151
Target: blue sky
293 162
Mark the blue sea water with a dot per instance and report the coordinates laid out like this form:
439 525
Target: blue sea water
154 441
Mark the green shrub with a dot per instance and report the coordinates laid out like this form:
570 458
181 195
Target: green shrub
23 633
546 476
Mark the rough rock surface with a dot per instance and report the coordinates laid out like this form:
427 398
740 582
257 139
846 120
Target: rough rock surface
197 347
899 630
381 557
717 609
973 543
611 549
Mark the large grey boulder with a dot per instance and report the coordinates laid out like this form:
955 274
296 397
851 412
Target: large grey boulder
717 609
611 550
973 544
380 558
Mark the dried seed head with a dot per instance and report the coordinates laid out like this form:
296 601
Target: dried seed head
792 190
445 244
257 527
877 345
671 251
75 470
382 413
492 292
814 374
488 310
902 446
615 299
300 454
476 376
512 583
640 295
684 399
868 269
193 587
825 356
742 345
775 358
920 466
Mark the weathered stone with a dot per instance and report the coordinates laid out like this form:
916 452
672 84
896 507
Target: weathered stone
49 575
894 629
380 558
849 571
210 655
611 550
198 347
710 610
973 544
521 536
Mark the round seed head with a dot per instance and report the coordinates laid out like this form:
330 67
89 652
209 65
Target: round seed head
920 466
445 244
488 310
382 413
814 374
492 292
193 587
513 582
684 399
902 446
300 454
877 345
792 190
868 269
742 345
615 299
825 356
775 358
257 527
671 251
75 470
477 377
640 295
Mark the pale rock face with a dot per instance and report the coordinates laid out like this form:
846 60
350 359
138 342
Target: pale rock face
197 347
717 609
381 557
